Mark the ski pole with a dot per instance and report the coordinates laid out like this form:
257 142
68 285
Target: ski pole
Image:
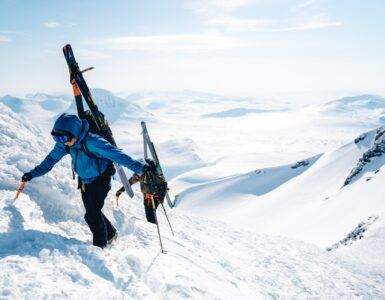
157 225
20 189
165 213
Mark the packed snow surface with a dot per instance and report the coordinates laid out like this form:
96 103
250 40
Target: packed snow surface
260 198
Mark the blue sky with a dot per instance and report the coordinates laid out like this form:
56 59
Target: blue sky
297 48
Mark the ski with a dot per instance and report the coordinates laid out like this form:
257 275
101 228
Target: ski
148 143
80 89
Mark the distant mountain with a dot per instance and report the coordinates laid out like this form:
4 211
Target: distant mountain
42 108
54 103
36 103
200 104
178 96
365 111
44 96
14 103
363 107
237 112
114 107
367 102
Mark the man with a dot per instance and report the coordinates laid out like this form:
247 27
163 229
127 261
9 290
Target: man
92 158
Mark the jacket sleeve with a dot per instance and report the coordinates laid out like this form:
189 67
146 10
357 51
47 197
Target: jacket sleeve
104 149
51 159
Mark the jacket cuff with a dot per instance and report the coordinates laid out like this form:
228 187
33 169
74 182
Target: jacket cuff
139 168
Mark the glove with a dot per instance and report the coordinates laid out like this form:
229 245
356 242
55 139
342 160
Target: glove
26 177
151 165
146 168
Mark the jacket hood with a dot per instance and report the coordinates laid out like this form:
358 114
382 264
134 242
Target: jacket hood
71 123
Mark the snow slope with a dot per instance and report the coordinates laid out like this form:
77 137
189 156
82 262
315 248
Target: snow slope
22 146
204 260
45 250
221 197
312 205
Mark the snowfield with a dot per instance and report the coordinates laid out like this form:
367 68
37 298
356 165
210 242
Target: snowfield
204 260
264 209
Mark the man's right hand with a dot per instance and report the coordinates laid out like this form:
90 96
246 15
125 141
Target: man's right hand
26 177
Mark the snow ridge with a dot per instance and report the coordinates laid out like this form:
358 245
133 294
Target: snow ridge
356 234
370 157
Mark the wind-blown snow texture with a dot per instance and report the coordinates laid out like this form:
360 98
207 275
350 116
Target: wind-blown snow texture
228 210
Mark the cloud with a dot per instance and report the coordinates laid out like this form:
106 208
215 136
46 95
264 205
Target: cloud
4 39
312 25
241 25
209 6
182 42
91 54
51 24
306 3
270 25
304 15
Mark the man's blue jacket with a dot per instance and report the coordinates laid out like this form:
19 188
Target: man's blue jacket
85 166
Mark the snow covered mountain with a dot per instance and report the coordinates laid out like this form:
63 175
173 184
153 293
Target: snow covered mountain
42 108
38 108
327 198
205 104
356 103
114 107
37 102
45 249
55 102
362 110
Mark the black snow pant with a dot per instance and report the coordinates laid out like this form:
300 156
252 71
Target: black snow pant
93 196
150 213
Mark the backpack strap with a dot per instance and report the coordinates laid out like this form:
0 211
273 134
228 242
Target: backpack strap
91 155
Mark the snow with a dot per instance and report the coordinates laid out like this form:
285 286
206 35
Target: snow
327 212
234 113
217 198
260 199
204 259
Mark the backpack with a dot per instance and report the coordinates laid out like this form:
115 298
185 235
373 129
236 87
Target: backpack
93 128
152 182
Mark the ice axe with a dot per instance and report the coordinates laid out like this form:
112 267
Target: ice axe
20 189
